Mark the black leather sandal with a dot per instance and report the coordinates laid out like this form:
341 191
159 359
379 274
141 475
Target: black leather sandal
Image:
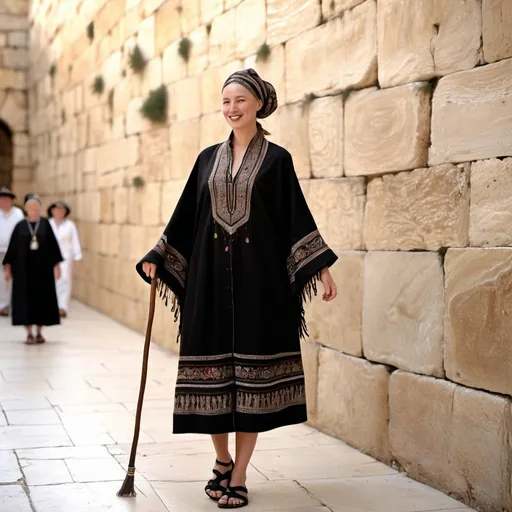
214 484
232 493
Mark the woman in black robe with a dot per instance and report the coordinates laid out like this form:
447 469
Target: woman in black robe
32 262
237 259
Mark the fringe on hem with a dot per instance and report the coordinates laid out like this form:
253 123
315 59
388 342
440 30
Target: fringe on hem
168 296
305 294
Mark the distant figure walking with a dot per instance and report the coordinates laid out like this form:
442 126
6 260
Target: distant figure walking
67 235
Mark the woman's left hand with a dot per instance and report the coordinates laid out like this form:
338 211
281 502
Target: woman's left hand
330 290
56 272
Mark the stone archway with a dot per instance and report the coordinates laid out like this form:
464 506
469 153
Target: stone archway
6 155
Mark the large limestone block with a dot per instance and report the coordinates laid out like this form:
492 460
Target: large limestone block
438 37
167 25
210 9
310 363
14 111
15 6
423 209
223 39
491 209
10 22
332 8
190 14
337 206
338 324
152 78
121 205
174 68
146 37
387 130
403 311
198 60
352 401
478 312
497 36
471 114
340 54
440 433
13 79
135 123
184 99
250 27
14 58
212 81
18 39
289 18
326 137
108 15
213 129
184 142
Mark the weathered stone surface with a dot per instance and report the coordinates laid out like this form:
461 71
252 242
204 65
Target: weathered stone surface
387 130
15 6
228 4
211 86
190 15
223 39
337 206
440 433
250 27
135 123
497 37
438 38
184 142
9 22
478 317
184 99
210 9
198 60
146 37
422 209
174 67
491 209
14 110
111 70
13 79
326 137
341 54
464 107
403 311
288 18
167 25
18 39
332 8
352 401
152 78
338 324
213 129
14 58
310 363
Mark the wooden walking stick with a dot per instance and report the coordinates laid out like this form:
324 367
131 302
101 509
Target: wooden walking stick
128 487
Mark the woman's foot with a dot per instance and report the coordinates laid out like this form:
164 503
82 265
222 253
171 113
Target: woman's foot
62 313
236 495
39 338
4 312
217 486
29 340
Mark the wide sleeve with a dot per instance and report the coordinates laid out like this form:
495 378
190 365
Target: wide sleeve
12 249
53 254
75 243
173 251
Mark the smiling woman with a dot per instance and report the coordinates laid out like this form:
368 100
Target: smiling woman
239 256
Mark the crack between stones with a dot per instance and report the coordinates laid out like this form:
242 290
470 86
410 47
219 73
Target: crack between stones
24 485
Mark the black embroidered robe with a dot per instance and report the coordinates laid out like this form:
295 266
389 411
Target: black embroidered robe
34 298
238 257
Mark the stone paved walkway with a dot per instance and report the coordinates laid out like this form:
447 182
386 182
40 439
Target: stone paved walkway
66 424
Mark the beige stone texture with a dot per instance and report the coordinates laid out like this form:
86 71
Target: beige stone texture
146 37
440 433
387 131
212 130
185 99
250 27
352 401
121 205
341 54
491 212
310 363
3 40
497 36
174 68
471 114
9 22
14 109
272 69
210 9
403 311
14 58
198 59
190 15
153 76
184 142
332 8
223 41
167 25
289 18
439 37
422 209
135 122
326 137
477 317
228 4
337 206
18 39
338 324
111 70
212 81
107 16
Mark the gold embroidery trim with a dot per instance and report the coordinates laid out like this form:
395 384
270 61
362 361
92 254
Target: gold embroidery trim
304 251
174 262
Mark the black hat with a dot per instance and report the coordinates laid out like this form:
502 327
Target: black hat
28 197
5 192
59 203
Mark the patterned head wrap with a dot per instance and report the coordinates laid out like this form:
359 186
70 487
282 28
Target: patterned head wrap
35 197
262 90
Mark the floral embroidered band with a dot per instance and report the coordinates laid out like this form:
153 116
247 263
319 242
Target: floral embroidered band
304 251
174 262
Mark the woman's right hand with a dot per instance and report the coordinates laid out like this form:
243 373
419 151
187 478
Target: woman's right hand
149 269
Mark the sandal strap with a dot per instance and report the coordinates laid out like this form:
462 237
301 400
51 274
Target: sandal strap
214 483
225 464
232 493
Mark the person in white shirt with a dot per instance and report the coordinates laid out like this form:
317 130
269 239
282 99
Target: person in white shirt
10 215
69 243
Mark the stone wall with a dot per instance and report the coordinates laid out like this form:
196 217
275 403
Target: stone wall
14 142
397 114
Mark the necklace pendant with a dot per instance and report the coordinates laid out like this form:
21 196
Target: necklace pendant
34 244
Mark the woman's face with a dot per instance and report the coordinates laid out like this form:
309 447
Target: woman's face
33 208
239 106
58 213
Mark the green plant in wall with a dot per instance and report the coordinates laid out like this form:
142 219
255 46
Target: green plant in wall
154 107
90 31
110 103
52 71
263 53
98 86
184 48
136 60
138 181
